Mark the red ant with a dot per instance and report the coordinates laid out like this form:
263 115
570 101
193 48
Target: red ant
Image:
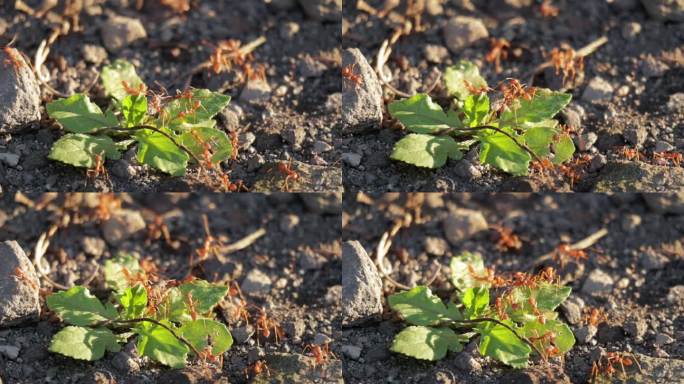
193 108
500 310
475 90
664 157
140 90
21 275
489 277
256 369
264 324
533 306
508 241
567 61
348 73
191 306
595 317
522 279
229 186
564 251
548 274
498 51
14 59
99 168
289 173
255 74
599 367
321 354
206 148
630 153
235 143
240 308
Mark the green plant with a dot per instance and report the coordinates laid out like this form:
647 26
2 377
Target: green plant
510 136
169 319
521 319
169 130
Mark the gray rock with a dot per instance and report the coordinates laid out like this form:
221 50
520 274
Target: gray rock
295 137
323 10
636 135
572 117
461 32
353 159
572 312
675 294
462 224
598 89
310 67
10 159
598 162
665 9
636 328
124 170
256 282
119 32
467 170
663 146
362 103
19 94
19 298
242 334
658 370
585 334
585 141
288 223
467 363
310 260
627 176
322 339
351 351
125 363
10 351
321 147
652 260
435 246
94 54
676 102
122 226
630 222
663 339
651 67
630 30
323 203
663 203
93 246
361 286
598 282
435 54
256 91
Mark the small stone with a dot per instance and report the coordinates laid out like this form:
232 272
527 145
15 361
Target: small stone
295 137
246 140
256 282
94 54
362 102
322 10
585 141
585 334
119 32
19 94
676 102
310 260
10 159
10 351
321 147
598 282
19 299
462 224
461 32
124 170
630 222
353 159
636 135
125 363
651 260
664 203
675 294
242 334
572 118
351 351
467 363
322 339
663 146
93 246
435 54
122 226
651 67
630 30
310 67
435 246
256 91
636 328
663 339
598 89
255 162
295 329
361 286
665 9
598 162
288 223
322 203
467 170
572 312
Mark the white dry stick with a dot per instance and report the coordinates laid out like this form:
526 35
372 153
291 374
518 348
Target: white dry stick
240 244
582 244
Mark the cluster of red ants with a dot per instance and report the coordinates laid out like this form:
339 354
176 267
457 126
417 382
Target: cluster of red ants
659 158
227 54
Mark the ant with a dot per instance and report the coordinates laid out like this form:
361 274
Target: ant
664 157
549 338
500 310
498 50
140 90
548 274
107 202
348 73
475 90
541 166
631 153
258 73
191 306
508 241
264 324
321 354
595 317
193 108
289 173
533 306
235 143
21 275
522 279
600 367
256 369
240 307
99 168
564 251
547 9
489 277
14 59
229 186
566 61
206 149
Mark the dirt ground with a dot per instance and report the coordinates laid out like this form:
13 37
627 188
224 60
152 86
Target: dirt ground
298 257
294 120
642 61
642 253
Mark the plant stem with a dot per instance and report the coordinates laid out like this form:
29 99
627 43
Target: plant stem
493 320
449 130
156 322
151 128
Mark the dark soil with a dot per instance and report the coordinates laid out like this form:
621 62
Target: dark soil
300 112
639 294
638 103
303 297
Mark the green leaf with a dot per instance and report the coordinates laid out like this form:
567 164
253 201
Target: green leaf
498 342
134 110
475 301
564 148
420 114
546 296
174 307
81 150
550 296
78 307
461 277
84 343
563 337
195 138
114 76
476 109
158 151
543 106
426 343
426 150
539 139
79 115
203 332
205 295
454 77
500 151
202 105
134 302
115 278
419 306
161 345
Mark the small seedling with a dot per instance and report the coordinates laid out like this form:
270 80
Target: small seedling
174 131
168 319
521 320
510 137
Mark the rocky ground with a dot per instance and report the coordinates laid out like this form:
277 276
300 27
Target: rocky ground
634 274
629 93
293 271
289 116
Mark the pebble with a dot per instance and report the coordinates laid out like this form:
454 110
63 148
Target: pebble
435 54
664 203
467 170
598 162
585 141
435 246
242 334
462 224
676 102
351 351
636 135
585 333
256 282
124 169
288 223
467 363
636 329
652 260
20 300
310 67
651 67
246 140
119 32
630 30
598 89
321 147
19 97
572 311
310 260
295 137
10 351
256 91
663 339
361 286
10 159
94 54
93 246
598 282
675 294
461 32
125 363
322 10
322 339
665 9
353 159
122 226
663 146
362 103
